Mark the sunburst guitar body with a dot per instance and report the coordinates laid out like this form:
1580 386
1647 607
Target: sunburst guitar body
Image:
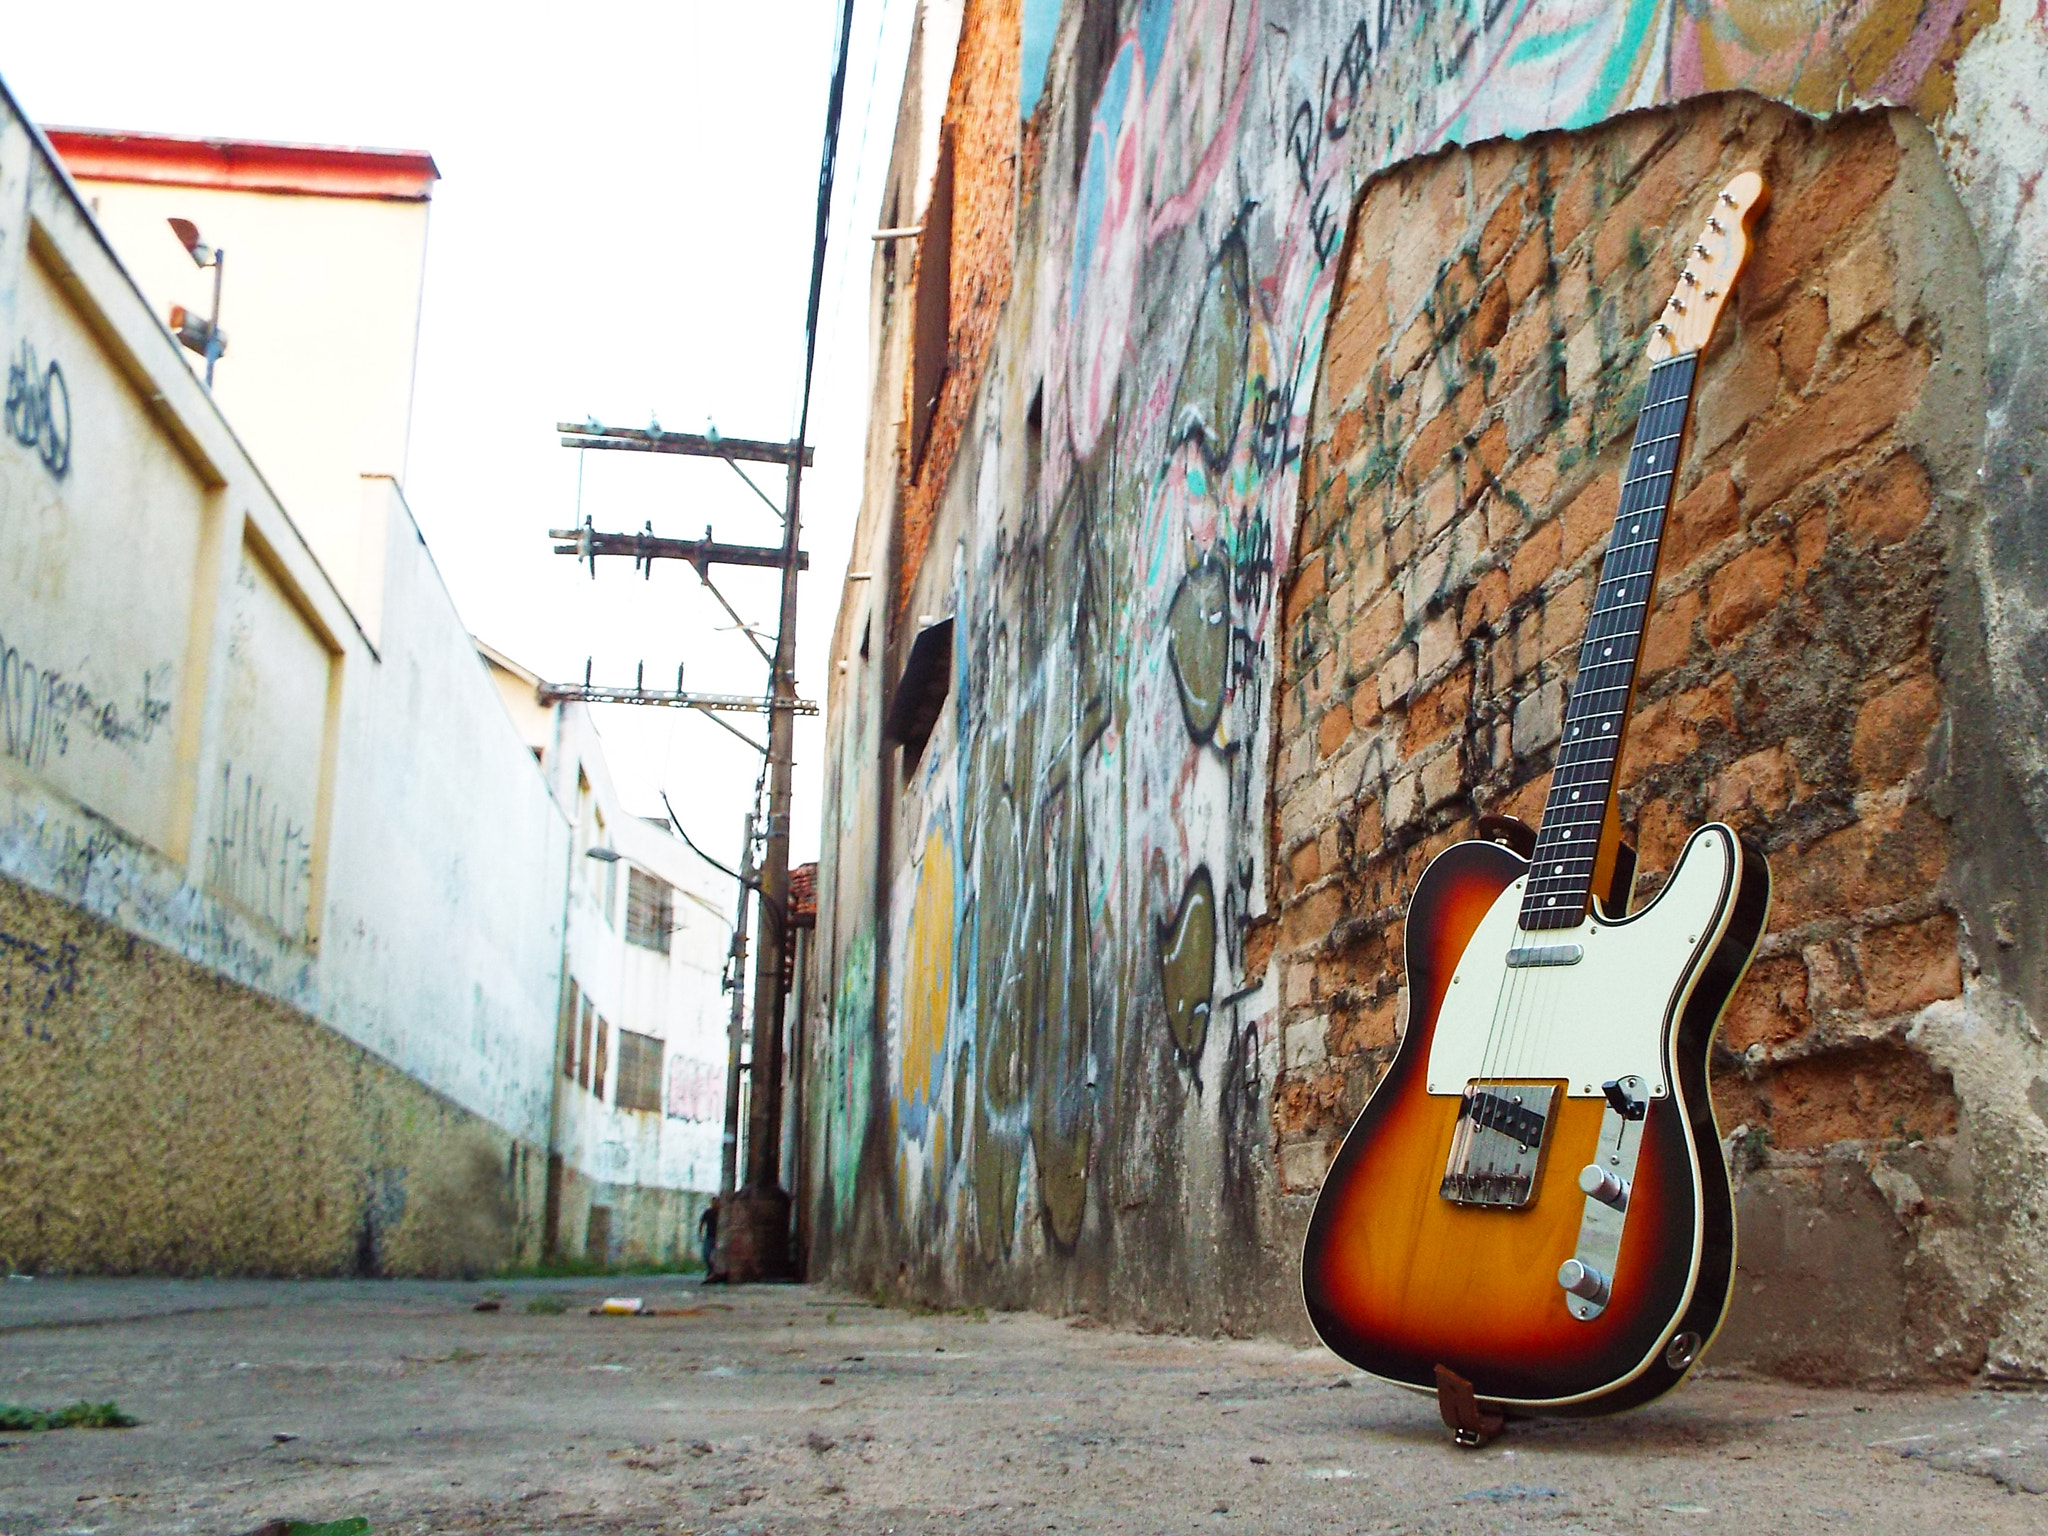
1534 1199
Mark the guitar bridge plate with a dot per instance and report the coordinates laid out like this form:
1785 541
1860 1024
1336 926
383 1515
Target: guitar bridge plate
1497 1148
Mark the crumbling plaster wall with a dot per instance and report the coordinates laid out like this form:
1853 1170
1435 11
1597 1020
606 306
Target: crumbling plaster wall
1074 1087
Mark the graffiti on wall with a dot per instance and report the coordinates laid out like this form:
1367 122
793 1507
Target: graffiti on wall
38 410
41 706
1087 849
257 855
696 1090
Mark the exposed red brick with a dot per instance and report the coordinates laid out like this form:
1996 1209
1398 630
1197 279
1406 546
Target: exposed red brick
1812 210
1887 504
1879 1091
1892 731
1438 712
1851 411
1753 788
1670 633
1745 589
1590 517
1769 1007
1500 231
1802 328
1706 515
1537 559
1334 729
1910 965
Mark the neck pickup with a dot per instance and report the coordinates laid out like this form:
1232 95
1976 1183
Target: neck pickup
1561 870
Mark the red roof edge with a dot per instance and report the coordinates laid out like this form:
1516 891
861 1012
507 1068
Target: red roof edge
245 165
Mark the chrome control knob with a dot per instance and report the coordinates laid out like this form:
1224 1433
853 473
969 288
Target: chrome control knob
1604 1185
1583 1280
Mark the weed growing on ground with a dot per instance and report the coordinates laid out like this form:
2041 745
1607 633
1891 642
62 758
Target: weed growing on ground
548 1306
80 1415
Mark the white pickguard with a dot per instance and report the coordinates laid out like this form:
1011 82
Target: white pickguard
1599 1019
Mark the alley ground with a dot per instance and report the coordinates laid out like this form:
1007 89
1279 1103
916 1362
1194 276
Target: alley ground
789 1409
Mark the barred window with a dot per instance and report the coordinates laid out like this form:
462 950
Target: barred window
639 1072
571 1002
650 910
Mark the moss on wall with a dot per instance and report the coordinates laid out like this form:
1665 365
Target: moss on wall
160 1119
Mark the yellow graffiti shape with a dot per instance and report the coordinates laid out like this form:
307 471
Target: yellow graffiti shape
928 980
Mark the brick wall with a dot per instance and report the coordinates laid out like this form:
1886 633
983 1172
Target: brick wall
1480 383
981 116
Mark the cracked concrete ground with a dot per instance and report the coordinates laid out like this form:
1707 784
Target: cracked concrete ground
790 1409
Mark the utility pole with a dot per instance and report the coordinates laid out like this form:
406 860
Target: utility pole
753 1229
753 1219
736 982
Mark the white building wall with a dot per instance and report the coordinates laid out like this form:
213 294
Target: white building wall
199 743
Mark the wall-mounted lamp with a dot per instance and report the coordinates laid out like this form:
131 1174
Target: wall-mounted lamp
602 855
195 334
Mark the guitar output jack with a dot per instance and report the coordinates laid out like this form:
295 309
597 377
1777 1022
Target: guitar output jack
1683 1349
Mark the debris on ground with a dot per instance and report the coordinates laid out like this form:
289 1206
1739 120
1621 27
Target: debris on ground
355 1525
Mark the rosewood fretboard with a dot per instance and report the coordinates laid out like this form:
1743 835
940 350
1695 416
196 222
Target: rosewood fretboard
1561 869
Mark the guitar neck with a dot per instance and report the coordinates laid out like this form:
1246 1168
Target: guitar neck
1569 843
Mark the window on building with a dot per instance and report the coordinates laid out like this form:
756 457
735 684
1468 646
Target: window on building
597 1068
932 317
639 1072
571 1006
583 1044
650 912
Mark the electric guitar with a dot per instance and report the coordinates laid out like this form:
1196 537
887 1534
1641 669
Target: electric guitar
1532 1210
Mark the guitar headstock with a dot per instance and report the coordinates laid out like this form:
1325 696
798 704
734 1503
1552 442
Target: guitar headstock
1712 263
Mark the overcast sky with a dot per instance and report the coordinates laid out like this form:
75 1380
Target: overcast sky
622 230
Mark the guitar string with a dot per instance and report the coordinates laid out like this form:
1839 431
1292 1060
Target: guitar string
1537 998
1629 568
1522 1027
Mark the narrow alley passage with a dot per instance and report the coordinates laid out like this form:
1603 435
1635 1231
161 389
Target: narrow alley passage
793 1409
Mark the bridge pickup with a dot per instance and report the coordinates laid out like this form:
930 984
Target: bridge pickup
1545 954
1497 1148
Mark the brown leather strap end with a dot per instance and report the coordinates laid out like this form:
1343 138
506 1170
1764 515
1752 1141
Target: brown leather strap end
1471 1422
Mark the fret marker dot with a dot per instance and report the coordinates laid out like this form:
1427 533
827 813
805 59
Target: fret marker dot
1567 836
1575 730
1607 726
1634 527
1560 869
1575 794
1552 902
1609 651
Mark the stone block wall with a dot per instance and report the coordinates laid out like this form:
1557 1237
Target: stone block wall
1479 389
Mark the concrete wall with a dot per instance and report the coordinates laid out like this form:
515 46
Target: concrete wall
320 304
1104 974
210 771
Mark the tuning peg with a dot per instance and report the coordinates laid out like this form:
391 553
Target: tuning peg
1715 226
1702 251
1727 199
1687 277
1678 304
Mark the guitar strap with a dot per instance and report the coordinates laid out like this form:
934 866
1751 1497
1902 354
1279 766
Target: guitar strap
1471 1423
